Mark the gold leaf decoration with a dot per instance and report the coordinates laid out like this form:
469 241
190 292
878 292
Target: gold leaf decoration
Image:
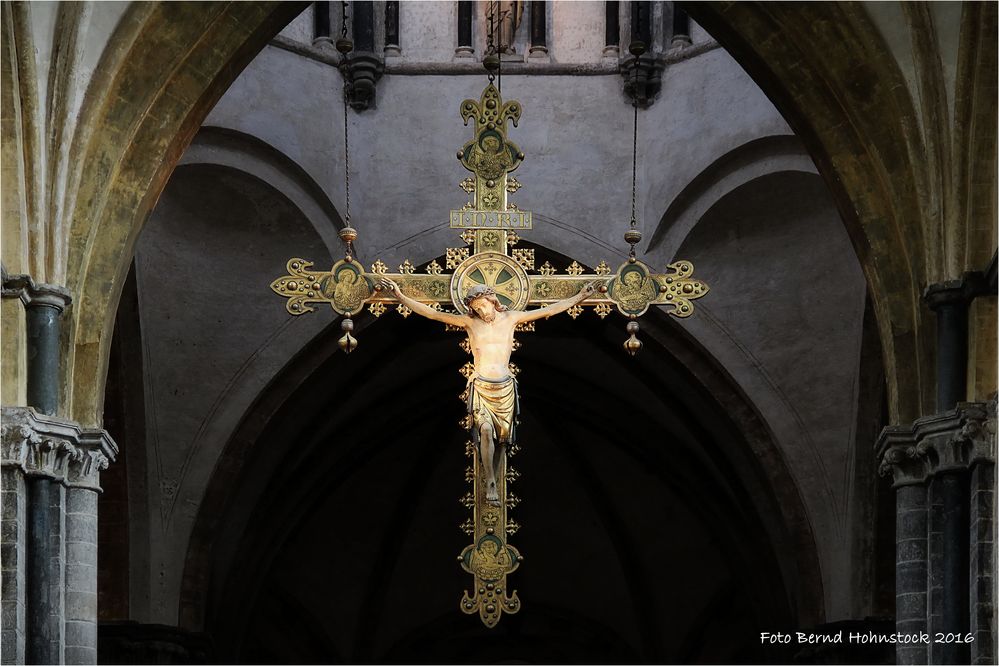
454 256
602 309
525 258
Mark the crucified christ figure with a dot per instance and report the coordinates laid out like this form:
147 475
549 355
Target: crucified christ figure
492 390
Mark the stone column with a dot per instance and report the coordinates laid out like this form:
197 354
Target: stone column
464 48
949 301
948 562
681 27
364 26
12 565
539 29
81 551
63 579
44 305
322 23
392 28
940 582
612 28
981 602
898 458
949 489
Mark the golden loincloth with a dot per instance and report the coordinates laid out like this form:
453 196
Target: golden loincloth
495 403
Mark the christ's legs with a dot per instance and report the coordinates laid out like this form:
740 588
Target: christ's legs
490 461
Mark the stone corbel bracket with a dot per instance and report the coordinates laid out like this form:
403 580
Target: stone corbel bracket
47 446
642 77
361 71
953 440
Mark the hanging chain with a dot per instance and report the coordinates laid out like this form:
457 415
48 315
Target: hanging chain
346 134
492 17
346 157
491 38
634 162
344 45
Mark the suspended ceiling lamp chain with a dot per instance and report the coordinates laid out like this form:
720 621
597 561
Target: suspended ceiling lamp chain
633 236
634 175
348 234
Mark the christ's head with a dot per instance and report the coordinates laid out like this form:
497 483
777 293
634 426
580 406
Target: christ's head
632 278
481 302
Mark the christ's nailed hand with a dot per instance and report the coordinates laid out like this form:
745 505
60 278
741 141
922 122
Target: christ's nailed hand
389 285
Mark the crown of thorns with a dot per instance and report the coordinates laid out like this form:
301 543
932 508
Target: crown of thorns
478 291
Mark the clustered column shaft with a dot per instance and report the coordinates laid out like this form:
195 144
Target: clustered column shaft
50 484
43 639
943 467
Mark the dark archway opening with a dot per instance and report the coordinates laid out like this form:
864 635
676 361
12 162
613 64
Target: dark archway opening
652 526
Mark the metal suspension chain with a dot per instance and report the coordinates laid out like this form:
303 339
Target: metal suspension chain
491 43
632 236
634 162
346 158
346 134
348 234
344 45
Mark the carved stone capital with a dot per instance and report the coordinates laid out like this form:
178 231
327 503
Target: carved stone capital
898 457
642 77
42 445
950 441
24 288
361 72
961 291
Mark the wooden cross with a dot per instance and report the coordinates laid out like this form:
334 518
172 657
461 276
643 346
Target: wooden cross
490 228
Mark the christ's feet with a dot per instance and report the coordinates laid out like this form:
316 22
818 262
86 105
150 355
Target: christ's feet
492 497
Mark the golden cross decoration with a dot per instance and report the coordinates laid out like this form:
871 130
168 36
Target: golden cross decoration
490 229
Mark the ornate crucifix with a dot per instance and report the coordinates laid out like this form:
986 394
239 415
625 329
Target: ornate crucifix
488 293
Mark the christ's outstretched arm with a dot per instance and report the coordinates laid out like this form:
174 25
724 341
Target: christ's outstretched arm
558 306
421 308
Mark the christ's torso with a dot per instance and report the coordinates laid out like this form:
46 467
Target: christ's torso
492 344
